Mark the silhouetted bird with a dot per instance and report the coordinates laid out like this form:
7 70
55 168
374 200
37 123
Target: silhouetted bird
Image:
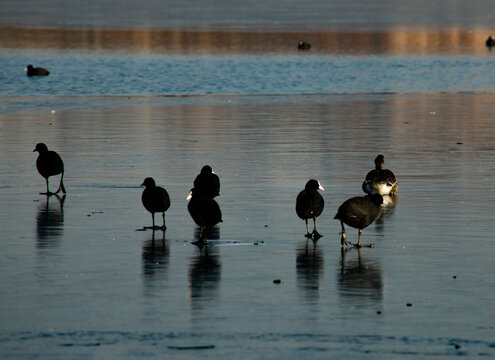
303 45
155 199
36 71
207 182
380 181
204 211
358 212
490 41
49 163
309 205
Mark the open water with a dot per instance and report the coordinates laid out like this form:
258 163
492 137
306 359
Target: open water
135 96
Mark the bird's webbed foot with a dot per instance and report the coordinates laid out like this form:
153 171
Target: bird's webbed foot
316 235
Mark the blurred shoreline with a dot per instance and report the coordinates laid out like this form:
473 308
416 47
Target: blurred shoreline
256 40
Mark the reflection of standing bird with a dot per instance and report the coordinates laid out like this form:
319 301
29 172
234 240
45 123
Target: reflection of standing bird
49 163
309 205
155 199
36 71
380 181
207 182
204 211
359 212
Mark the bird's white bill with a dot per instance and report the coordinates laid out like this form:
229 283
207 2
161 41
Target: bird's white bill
320 187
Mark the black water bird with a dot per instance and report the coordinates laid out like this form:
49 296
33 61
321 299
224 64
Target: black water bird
303 45
490 42
49 163
309 205
36 71
358 212
155 199
205 212
379 180
207 182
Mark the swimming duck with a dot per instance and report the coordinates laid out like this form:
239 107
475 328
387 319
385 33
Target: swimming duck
49 163
380 181
155 199
303 45
309 205
36 71
490 41
207 182
358 212
205 212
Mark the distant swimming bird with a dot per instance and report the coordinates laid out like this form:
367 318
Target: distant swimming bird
358 212
155 199
49 163
303 45
380 181
309 205
490 41
36 71
205 212
207 182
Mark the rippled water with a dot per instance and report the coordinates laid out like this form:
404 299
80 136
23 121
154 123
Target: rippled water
82 279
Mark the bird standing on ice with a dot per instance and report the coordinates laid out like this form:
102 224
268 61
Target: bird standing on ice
380 181
49 163
309 205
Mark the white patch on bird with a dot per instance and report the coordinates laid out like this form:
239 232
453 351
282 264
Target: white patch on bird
189 196
320 187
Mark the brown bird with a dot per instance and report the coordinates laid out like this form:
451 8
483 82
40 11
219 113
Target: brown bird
309 205
49 163
155 199
359 212
205 212
379 180
36 71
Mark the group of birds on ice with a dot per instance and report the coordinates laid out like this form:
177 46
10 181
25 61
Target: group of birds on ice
357 212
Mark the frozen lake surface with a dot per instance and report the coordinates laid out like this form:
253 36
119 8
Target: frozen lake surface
163 90
78 279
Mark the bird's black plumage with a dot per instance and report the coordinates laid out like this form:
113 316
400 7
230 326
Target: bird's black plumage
490 42
359 212
310 204
155 199
49 163
303 45
379 180
205 212
36 71
207 182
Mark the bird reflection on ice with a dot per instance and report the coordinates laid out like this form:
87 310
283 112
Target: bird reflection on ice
309 268
50 221
204 277
359 281
155 256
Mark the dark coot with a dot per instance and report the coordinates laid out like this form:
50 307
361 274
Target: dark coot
155 199
49 163
309 205
36 71
490 42
204 211
379 180
207 182
303 45
359 212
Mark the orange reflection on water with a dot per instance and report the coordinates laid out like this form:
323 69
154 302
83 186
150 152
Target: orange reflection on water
417 41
